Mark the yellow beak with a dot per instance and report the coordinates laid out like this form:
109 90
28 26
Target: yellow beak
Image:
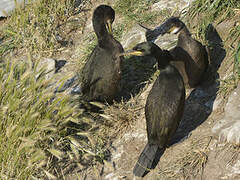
173 30
109 26
132 52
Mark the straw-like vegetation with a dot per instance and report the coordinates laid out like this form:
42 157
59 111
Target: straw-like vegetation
48 136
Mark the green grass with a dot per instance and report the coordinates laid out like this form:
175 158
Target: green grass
136 10
216 10
206 12
42 139
34 27
37 133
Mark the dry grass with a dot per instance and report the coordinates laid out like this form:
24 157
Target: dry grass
37 26
45 138
42 135
189 163
120 117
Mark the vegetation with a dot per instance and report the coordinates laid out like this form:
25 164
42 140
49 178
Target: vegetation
214 12
40 130
45 135
35 28
136 10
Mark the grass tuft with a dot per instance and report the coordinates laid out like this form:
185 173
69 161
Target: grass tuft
138 11
189 163
41 133
120 117
36 26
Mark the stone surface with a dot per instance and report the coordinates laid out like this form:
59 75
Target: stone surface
166 4
223 163
134 36
228 128
48 65
6 6
137 33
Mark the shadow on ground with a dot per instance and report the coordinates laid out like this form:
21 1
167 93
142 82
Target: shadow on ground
136 72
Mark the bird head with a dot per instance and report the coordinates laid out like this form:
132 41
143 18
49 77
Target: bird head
103 14
173 25
143 49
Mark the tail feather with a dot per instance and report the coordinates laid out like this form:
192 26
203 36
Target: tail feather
148 159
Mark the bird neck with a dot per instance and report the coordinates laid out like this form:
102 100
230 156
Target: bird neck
102 35
101 31
163 57
184 33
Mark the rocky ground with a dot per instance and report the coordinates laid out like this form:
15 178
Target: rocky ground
206 144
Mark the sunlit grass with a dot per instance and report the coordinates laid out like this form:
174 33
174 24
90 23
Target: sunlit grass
34 28
135 10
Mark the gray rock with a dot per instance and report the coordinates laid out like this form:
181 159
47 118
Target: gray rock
7 6
167 41
176 4
48 65
228 128
50 68
134 36
213 103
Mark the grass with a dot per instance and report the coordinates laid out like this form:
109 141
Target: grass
209 12
214 12
188 163
135 10
120 117
41 135
35 27
45 138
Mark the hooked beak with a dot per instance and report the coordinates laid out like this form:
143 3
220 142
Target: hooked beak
150 36
132 52
109 26
166 28
173 30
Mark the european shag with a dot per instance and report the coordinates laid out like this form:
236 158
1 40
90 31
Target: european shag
164 106
190 56
101 74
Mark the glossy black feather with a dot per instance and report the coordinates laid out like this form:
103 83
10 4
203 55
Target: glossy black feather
101 74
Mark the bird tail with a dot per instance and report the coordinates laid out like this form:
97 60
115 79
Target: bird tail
148 159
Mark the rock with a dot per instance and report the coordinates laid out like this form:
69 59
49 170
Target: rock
166 4
213 103
228 129
167 41
134 36
7 6
48 65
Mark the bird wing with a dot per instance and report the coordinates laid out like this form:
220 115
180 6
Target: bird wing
163 109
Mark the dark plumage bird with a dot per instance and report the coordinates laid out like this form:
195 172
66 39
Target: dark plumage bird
190 56
164 106
102 72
